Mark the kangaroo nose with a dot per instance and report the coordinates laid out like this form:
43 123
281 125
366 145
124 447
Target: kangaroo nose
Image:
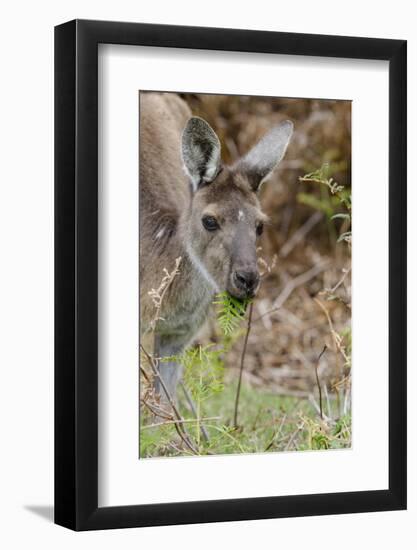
246 280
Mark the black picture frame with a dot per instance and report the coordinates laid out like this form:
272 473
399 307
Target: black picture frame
76 272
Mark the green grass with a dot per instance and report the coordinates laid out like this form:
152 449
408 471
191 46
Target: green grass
267 423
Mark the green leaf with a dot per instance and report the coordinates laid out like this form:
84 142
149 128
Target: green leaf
203 371
231 312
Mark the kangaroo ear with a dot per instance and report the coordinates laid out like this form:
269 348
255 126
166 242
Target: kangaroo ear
200 152
261 160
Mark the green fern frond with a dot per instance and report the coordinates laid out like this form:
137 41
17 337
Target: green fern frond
203 371
231 312
338 197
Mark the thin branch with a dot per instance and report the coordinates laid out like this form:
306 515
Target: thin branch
242 362
313 401
345 274
346 402
184 421
142 370
294 435
277 433
178 426
157 411
227 434
157 295
188 397
269 312
318 380
329 409
341 383
337 339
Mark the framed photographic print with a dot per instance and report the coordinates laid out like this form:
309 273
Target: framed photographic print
230 249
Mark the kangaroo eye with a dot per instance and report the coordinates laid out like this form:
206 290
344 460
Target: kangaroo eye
210 223
259 229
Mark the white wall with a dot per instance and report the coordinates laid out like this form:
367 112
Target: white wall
26 301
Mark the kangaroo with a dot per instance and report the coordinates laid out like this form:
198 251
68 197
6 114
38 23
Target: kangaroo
195 208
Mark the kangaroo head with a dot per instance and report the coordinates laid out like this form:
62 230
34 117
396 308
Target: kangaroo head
225 218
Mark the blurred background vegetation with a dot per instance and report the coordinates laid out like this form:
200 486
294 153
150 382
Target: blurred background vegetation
296 378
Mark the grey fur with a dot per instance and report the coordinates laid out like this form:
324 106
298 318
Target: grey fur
171 221
200 151
261 160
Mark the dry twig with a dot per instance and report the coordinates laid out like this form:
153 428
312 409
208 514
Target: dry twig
178 425
190 402
184 421
337 339
318 380
242 362
157 295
